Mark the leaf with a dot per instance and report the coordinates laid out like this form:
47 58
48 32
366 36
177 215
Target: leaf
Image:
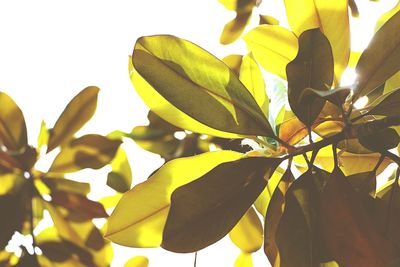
78 111
297 234
137 220
61 184
329 16
354 9
205 210
269 20
385 105
78 203
364 182
89 151
233 29
273 47
312 68
12 206
346 228
120 178
252 77
234 62
244 260
12 124
379 61
273 216
137 261
336 96
230 107
383 140
43 137
248 232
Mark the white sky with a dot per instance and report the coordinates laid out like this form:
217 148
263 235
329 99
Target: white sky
51 49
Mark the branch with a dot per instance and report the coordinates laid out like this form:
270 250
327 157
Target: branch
349 132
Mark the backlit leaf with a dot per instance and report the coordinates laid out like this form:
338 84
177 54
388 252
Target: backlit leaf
120 178
329 16
89 151
78 203
312 68
244 260
251 76
12 124
78 111
138 221
336 96
347 229
61 184
190 87
248 232
234 28
380 60
273 216
383 140
234 62
137 261
205 210
297 234
385 105
265 19
273 47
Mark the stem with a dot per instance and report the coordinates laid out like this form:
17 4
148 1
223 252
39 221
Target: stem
395 185
31 213
195 259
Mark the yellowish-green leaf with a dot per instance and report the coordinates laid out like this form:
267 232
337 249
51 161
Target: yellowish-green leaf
234 62
251 76
43 137
120 178
12 124
273 47
138 221
89 151
137 261
78 111
190 87
329 16
248 232
234 28
230 189
379 61
244 260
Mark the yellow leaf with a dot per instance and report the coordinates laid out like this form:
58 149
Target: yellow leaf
75 115
137 261
234 28
138 221
273 47
262 202
12 124
248 232
244 260
251 76
329 16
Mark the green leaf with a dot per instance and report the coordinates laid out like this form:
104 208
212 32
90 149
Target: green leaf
78 203
347 228
120 178
248 232
137 261
383 140
78 111
205 210
385 105
297 234
190 87
312 68
89 151
12 124
273 47
138 220
380 60
273 216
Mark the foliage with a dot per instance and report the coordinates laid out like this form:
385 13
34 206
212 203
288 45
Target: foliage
312 173
27 192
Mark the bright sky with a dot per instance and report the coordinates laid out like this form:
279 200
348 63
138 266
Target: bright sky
50 50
